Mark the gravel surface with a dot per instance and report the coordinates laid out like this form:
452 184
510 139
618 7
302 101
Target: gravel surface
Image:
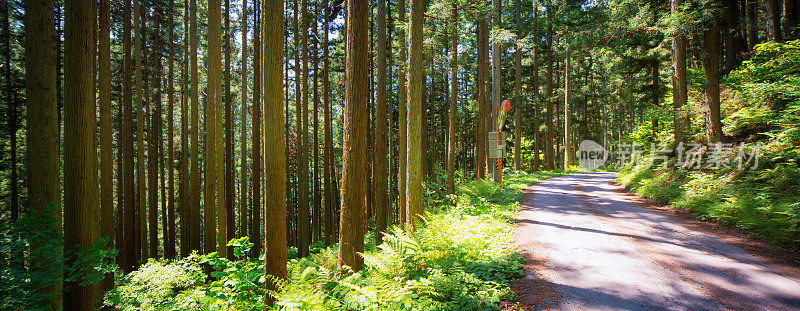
591 246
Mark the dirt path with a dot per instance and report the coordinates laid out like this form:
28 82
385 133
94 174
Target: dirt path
591 246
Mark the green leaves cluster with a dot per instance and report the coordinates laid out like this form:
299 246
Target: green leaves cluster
461 260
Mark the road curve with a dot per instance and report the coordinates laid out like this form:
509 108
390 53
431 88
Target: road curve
590 247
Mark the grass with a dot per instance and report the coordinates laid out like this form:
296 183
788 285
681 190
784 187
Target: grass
462 259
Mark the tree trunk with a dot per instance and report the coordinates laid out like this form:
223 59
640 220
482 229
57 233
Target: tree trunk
329 187
169 248
415 151
185 207
567 109
194 206
81 201
315 202
303 210
243 136
42 138
773 17
549 114
275 203
153 137
258 111
536 99
351 239
140 159
380 164
790 18
403 113
711 66
451 131
215 125
482 128
230 217
752 23
679 88
106 152
518 94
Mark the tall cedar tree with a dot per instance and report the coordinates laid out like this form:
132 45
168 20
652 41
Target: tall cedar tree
402 113
518 91
243 136
679 94
354 159
81 191
327 136
711 72
216 91
415 98
275 173
194 204
169 246
44 188
451 131
315 202
106 161
258 111
140 159
303 211
380 166
550 114
185 208
230 219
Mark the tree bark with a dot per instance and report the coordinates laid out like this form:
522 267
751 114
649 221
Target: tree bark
243 136
380 165
679 88
185 206
303 210
140 158
711 73
773 17
329 185
351 239
549 113
275 203
258 111
230 171
194 206
42 139
415 123
81 192
169 248
451 131
567 109
106 152
216 126
482 128
402 113
518 94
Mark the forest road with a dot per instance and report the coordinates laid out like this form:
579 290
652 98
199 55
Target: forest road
590 246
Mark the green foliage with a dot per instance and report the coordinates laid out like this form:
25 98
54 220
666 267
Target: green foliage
43 264
461 259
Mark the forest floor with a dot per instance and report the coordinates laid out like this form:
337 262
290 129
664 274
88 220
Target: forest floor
591 245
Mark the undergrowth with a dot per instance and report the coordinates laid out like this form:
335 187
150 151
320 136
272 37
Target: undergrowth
461 259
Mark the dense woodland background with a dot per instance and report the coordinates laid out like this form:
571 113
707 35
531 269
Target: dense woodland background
153 129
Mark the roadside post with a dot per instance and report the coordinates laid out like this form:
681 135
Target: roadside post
497 140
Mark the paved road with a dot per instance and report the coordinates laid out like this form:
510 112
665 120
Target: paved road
591 248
